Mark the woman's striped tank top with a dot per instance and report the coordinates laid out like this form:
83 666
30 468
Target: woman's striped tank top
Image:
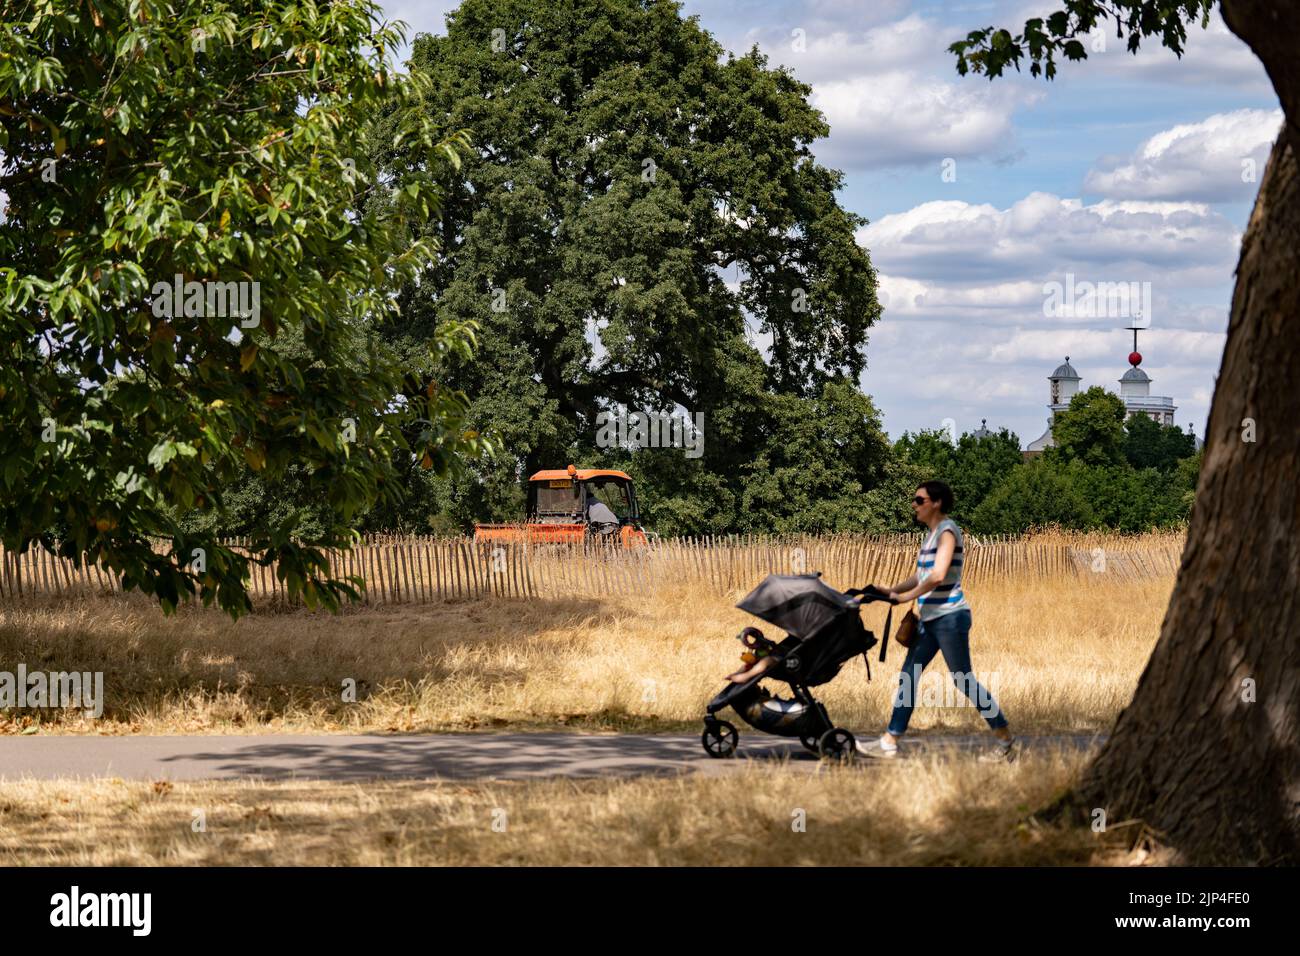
948 596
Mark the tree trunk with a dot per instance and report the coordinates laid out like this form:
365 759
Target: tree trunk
1208 753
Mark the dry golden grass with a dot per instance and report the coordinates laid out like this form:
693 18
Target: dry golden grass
941 810
1061 654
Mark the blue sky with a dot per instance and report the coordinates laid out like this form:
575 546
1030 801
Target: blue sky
1123 169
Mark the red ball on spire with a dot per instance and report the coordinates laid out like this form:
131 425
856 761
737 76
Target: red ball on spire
1134 358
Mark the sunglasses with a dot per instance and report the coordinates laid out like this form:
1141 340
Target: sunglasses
918 500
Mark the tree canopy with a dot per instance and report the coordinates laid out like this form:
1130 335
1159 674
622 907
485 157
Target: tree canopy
640 225
163 162
1090 429
972 467
1103 473
1149 444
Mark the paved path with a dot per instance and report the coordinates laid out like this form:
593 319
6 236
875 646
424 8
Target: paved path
450 756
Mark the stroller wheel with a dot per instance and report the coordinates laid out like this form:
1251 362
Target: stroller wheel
811 744
719 738
837 744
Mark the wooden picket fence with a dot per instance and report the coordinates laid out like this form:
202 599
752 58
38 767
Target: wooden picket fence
411 569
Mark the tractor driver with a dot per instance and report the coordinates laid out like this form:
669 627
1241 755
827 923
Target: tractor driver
599 513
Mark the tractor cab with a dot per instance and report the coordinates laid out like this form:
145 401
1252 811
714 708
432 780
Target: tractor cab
603 501
574 506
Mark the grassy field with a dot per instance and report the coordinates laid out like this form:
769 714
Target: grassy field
1060 654
936 811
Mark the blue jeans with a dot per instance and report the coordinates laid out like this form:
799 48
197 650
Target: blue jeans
949 633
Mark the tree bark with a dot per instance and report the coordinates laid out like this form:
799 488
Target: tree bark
1207 754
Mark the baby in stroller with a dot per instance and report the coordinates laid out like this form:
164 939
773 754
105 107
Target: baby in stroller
824 632
757 656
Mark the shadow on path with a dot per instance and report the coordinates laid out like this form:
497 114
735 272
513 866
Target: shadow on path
447 756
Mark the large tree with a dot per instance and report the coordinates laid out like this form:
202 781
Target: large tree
641 216
1036 494
973 467
1149 444
1207 754
1090 429
160 157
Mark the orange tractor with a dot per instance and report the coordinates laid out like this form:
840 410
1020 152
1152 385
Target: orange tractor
574 506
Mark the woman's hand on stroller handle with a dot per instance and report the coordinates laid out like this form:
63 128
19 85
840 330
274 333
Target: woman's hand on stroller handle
872 593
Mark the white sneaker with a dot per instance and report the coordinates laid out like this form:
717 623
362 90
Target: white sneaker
1004 751
878 748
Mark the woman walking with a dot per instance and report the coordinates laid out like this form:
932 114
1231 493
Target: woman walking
944 627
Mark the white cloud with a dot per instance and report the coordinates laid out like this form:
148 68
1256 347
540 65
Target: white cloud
1043 236
1098 349
905 118
424 16
1219 159
890 92
905 296
965 336
1213 57
829 52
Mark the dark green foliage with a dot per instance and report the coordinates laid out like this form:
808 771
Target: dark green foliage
1149 444
801 465
1090 430
1127 499
819 459
221 142
1078 496
1065 31
888 505
1036 494
972 468
637 208
1186 474
1102 473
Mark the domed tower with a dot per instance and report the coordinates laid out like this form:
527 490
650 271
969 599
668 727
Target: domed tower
1064 386
1135 383
1135 392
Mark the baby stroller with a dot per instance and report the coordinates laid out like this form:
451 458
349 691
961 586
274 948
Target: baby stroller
824 632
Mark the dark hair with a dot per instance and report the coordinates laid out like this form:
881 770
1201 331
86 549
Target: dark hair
939 492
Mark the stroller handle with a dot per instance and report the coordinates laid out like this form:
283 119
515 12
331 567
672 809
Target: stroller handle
870 593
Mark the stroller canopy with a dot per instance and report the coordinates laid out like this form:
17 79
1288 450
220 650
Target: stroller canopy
799 604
